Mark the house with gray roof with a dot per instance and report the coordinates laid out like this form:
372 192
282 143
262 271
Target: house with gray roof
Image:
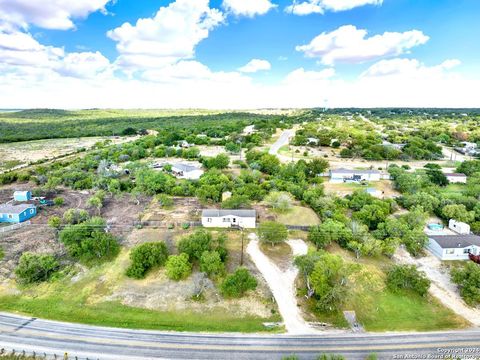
347 175
186 171
223 218
17 213
454 247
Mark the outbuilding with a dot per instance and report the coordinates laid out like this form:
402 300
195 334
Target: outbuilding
22 195
17 213
214 218
454 247
346 175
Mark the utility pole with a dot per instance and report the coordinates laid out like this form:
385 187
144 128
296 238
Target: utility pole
241 255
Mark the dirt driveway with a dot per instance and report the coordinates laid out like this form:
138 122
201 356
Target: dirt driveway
282 284
441 288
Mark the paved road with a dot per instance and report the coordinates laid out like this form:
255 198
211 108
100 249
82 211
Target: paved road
84 341
284 139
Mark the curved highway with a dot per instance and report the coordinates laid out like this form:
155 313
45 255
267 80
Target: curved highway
83 341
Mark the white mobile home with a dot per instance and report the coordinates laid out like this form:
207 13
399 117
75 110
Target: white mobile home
459 227
455 178
454 247
186 171
214 218
346 175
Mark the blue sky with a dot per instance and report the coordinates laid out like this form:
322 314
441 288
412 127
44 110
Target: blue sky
358 48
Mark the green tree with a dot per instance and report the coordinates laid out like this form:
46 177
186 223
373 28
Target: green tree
468 280
458 212
272 232
211 263
195 244
89 241
59 201
164 200
34 268
328 280
75 216
469 168
178 267
145 257
281 201
219 162
328 232
407 277
237 284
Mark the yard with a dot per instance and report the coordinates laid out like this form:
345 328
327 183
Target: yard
298 216
379 309
103 295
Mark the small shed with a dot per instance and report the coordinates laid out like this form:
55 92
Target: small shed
17 213
459 227
456 178
22 195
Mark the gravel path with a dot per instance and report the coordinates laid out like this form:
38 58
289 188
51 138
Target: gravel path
282 286
442 288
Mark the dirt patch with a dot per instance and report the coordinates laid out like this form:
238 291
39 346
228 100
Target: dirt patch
183 210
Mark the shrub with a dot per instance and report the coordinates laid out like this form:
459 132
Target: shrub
145 257
237 284
211 263
468 280
2 253
281 201
54 222
59 201
164 201
34 268
407 277
178 267
75 216
195 244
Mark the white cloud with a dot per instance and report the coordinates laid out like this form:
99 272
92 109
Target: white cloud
83 64
320 6
349 44
248 8
190 84
171 35
255 65
300 76
48 14
411 68
23 55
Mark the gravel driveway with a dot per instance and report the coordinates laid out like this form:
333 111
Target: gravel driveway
442 287
281 284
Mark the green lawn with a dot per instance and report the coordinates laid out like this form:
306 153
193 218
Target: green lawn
113 314
452 189
405 311
298 215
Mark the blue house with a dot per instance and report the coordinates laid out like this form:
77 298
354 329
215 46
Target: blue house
17 213
22 196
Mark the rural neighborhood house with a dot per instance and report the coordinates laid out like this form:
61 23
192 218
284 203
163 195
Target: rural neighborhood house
346 175
17 213
229 218
454 247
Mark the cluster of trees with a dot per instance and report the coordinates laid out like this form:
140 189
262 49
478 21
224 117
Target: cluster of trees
407 277
88 241
364 225
422 189
468 280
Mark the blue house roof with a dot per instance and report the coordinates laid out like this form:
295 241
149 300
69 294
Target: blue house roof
15 209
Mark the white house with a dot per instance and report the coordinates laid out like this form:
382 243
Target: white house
214 218
455 178
454 247
346 175
459 227
186 171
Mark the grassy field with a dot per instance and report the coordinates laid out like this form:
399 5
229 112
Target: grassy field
298 215
84 297
453 189
379 309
